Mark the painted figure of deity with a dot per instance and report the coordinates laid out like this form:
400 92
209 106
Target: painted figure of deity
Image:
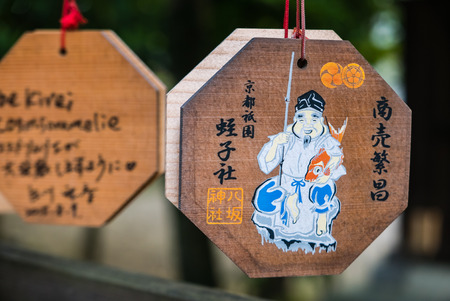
295 209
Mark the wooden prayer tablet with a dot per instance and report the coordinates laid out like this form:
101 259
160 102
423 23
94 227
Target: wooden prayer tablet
80 134
294 171
193 81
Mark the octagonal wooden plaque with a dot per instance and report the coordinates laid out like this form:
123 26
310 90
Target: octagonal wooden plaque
193 81
300 187
80 134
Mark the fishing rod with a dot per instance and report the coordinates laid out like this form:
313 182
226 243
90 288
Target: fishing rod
287 100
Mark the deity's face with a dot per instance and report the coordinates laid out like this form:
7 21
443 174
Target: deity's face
308 122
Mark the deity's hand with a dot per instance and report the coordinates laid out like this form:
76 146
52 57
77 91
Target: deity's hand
333 163
281 138
322 179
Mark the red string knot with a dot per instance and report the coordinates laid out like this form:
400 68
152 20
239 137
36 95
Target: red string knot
71 15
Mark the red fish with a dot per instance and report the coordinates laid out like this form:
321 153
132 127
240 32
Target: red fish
318 165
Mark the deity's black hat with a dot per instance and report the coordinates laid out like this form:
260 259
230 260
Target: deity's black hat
312 100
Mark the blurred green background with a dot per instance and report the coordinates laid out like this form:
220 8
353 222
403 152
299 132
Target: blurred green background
408 44
172 36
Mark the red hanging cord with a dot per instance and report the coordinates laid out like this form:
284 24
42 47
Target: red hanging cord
298 30
71 18
297 20
286 19
303 33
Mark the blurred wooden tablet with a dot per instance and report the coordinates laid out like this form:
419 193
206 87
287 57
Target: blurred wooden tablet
82 132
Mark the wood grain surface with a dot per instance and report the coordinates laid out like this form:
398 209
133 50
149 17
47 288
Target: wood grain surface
156 83
265 62
80 132
193 81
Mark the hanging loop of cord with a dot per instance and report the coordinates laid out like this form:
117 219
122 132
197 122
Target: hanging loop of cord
299 30
71 18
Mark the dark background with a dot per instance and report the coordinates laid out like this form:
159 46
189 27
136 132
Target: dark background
406 41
